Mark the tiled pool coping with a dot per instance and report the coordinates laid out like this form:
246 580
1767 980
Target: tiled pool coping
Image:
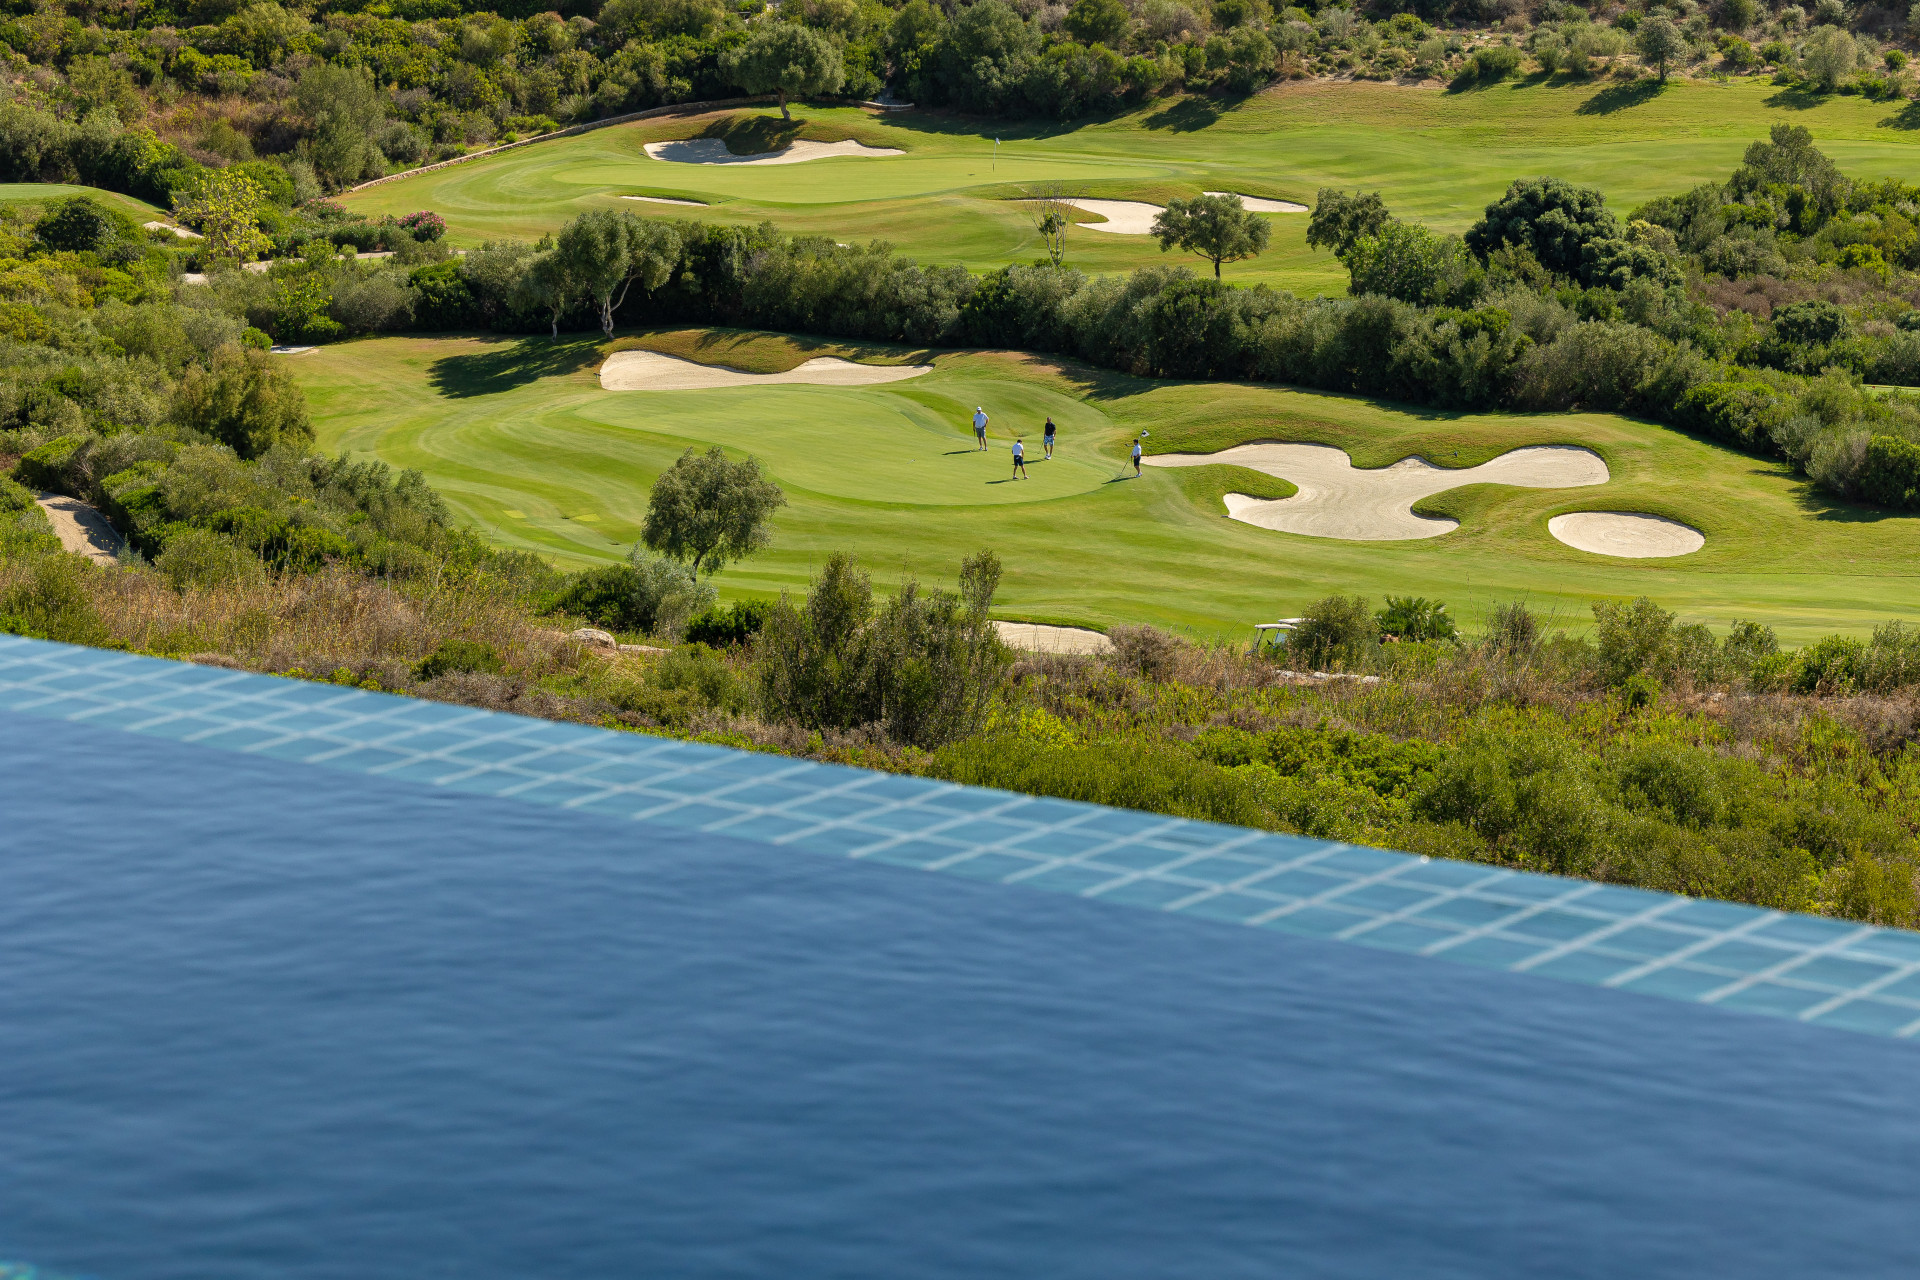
1827 972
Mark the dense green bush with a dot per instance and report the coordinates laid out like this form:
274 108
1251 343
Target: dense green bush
922 669
1339 632
649 596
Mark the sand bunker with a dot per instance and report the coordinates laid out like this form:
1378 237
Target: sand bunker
714 151
181 232
651 371
1123 217
81 528
1036 638
1259 204
1336 500
691 204
1626 534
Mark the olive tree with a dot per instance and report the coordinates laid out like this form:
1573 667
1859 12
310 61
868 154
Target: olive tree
225 205
345 112
1340 219
787 59
706 509
605 252
1218 228
246 400
1660 44
1828 56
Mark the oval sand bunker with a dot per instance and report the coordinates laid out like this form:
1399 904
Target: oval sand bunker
1339 500
1626 534
714 151
651 371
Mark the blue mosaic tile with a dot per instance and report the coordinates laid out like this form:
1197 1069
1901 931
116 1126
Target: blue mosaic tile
1830 973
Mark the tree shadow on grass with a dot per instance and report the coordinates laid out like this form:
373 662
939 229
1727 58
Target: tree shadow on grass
1796 97
1907 117
1189 115
507 363
1618 97
1825 506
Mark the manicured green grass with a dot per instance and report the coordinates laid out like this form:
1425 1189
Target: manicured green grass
523 442
1438 156
40 192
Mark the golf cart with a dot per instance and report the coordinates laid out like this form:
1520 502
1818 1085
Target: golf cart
1269 638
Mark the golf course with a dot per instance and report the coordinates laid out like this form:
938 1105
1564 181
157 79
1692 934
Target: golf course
1437 156
522 439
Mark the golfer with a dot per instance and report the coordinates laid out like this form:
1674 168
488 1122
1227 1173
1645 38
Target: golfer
980 427
1019 460
1047 439
1136 455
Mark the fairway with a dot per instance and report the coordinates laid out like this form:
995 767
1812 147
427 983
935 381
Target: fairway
1438 157
523 442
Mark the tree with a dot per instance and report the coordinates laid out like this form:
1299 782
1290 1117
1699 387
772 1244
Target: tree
1340 219
246 401
785 58
225 205
78 225
1828 56
1406 261
345 114
1660 43
1050 207
1097 21
1218 228
707 509
606 252
546 284
1550 218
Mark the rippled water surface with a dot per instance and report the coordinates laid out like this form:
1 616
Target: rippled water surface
265 1021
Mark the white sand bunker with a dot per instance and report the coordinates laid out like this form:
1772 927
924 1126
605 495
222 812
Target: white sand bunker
1627 534
691 204
651 371
1037 638
1259 204
1337 500
1123 217
714 151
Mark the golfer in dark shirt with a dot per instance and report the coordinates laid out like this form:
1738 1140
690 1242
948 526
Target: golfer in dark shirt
1047 440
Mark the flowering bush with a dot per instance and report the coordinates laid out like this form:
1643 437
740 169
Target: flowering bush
425 225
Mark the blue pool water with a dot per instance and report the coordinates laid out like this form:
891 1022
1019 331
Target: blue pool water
263 1019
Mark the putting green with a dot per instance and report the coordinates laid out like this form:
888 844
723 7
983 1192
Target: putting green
1438 156
521 439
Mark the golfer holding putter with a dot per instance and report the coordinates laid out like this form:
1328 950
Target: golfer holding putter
1019 459
1136 456
980 427
1047 439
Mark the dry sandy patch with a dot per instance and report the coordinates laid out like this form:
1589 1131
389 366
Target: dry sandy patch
714 151
181 232
651 371
1338 500
1036 638
1259 204
691 204
1626 534
80 527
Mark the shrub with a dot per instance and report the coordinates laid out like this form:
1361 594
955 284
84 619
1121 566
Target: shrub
922 669
1132 775
1512 630
1144 651
425 225
245 401
736 624
648 596
202 558
700 671
1339 631
1488 65
45 467
1416 618
1634 639
1830 666
458 657
54 603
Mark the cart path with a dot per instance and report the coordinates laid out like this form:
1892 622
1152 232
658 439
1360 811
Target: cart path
81 528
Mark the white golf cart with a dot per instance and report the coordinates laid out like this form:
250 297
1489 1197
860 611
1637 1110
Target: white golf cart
1269 638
